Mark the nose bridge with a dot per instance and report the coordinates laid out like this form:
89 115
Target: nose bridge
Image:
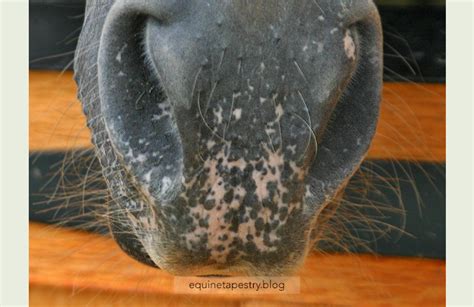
258 14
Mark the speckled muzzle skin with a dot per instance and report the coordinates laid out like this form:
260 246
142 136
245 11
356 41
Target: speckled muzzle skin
224 127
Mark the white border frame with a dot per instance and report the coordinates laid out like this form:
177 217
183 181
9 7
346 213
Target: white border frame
14 152
459 153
